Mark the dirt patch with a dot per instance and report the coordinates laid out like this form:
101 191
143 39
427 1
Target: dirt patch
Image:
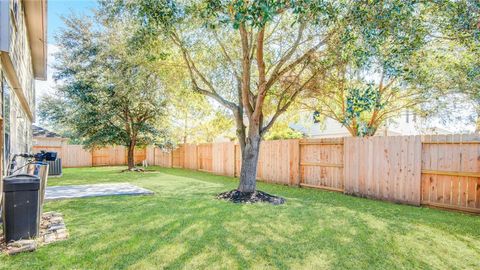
250 197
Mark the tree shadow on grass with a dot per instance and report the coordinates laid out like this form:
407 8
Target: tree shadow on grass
249 236
247 240
183 226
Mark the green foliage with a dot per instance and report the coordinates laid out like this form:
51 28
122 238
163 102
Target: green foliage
106 95
281 131
361 101
194 120
53 113
218 124
457 19
450 64
258 13
375 65
371 42
380 35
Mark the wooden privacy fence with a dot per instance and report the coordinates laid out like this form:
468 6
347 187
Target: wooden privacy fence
322 164
441 171
451 172
77 156
387 168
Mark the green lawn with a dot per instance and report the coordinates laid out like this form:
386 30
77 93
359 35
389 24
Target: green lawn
182 226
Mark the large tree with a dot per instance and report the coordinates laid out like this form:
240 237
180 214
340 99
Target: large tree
106 94
237 53
252 56
454 57
374 71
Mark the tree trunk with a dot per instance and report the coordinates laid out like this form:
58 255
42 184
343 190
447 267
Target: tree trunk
130 155
248 172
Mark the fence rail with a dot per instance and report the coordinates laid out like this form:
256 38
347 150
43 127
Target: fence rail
440 171
76 156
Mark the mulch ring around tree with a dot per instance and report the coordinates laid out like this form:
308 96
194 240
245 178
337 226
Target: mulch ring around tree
250 197
134 169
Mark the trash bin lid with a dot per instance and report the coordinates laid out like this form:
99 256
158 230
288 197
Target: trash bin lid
21 182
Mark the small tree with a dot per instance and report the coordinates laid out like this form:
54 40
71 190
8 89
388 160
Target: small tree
110 95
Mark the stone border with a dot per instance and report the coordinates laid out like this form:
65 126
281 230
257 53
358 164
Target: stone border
52 229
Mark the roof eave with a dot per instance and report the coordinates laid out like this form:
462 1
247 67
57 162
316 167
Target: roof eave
36 19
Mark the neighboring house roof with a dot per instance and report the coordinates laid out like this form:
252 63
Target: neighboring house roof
36 18
41 132
404 124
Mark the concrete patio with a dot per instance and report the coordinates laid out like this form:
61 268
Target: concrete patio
96 190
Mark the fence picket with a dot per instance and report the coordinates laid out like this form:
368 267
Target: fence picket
440 171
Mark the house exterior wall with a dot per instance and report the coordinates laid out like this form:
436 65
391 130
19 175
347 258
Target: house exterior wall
17 78
405 123
21 54
18 87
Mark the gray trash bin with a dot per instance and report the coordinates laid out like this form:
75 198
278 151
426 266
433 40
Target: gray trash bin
21 207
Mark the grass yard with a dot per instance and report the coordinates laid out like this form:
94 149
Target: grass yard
182 226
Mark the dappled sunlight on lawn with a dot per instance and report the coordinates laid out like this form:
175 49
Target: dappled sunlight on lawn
183 226
439 249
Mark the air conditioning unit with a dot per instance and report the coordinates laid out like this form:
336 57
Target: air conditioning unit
55 167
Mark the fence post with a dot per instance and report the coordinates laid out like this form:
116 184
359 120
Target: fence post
294 162
234 160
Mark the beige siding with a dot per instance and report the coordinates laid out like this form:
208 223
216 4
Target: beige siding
16 68
20 128
21 55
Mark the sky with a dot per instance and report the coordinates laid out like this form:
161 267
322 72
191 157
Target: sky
59 8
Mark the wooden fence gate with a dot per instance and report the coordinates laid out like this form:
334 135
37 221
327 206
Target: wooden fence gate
321 164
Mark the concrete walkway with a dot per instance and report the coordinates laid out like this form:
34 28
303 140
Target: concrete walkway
97 190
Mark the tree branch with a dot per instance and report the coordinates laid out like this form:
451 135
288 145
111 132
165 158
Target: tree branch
276 75
225 54
246 66
262 90
282 109
192 70
291 51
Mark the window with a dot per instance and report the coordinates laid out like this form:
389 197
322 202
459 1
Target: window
6 121
15 9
